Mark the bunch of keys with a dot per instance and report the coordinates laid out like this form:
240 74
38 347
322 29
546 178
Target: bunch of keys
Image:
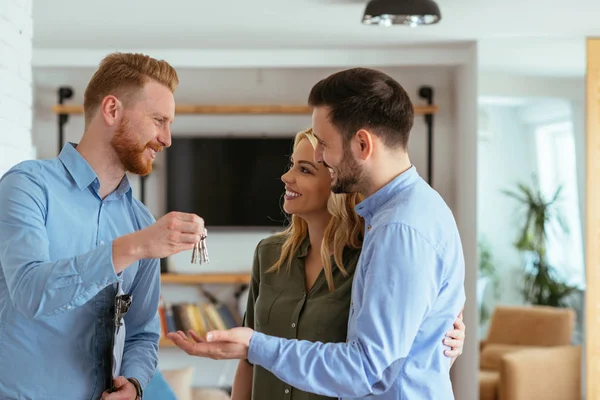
200 254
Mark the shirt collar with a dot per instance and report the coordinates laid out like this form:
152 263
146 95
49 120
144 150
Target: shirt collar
303 249
83 174
373 203
124 188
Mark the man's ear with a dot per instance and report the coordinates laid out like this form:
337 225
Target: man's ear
111 109
363 144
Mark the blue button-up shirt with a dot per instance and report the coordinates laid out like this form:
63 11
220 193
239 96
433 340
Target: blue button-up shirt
408 288
57 282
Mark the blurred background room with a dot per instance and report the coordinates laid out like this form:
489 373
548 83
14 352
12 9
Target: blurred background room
503 94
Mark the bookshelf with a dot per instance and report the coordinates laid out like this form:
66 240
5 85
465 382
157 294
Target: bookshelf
169 278
164 342
199 279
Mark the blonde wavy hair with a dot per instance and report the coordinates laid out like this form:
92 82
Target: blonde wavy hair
346 228
124 75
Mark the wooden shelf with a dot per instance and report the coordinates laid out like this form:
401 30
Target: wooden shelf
166 343
195 279
212 109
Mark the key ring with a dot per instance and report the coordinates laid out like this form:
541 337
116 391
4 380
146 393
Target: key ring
200 252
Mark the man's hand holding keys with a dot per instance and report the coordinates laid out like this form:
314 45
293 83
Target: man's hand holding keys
171 234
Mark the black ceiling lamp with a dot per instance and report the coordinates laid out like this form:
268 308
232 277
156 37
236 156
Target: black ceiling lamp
401 12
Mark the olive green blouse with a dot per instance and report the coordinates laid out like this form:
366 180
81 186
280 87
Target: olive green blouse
278 305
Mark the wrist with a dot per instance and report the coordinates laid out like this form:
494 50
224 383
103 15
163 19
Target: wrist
132 247
126 250
138 388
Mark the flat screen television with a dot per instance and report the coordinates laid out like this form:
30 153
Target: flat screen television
228 181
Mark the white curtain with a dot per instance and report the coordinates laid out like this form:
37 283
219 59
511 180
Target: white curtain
556 158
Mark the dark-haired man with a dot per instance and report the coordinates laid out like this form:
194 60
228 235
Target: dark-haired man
409 283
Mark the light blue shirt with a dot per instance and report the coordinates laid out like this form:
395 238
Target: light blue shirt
408 288
57 282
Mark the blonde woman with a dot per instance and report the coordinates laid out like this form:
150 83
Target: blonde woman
302 278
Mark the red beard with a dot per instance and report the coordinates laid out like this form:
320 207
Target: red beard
130 152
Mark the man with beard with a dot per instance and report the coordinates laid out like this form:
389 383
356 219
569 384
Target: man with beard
72 237
409 283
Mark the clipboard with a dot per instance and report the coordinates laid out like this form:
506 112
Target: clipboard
117 337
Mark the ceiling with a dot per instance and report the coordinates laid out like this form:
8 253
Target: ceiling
516 36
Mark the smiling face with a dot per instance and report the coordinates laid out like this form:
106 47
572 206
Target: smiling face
346 174
145 129
307 183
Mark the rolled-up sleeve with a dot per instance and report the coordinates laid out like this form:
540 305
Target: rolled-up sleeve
252 291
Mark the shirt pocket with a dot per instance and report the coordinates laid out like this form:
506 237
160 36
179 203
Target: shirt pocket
332 321
267 295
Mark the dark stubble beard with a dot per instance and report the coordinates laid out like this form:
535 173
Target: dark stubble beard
129 151
349 175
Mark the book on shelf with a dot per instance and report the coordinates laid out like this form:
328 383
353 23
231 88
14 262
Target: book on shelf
200 317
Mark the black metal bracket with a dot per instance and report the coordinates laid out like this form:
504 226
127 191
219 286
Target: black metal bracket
426 92
64 92
240 290
143 189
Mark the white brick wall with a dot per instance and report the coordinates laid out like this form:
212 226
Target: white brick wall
16 96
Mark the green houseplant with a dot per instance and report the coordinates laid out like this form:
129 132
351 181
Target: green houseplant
541 287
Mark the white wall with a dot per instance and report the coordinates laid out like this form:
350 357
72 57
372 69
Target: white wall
464 147
263 86
506 156
250 86
16 24
512 106
525 88
544 87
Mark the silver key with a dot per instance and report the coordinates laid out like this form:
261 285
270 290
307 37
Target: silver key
200 253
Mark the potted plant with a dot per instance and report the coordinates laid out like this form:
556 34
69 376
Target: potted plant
541 286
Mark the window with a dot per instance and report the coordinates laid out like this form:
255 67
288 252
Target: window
557 166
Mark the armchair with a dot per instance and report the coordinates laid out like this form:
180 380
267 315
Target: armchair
528 355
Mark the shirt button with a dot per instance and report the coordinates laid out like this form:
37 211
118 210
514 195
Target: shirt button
293 324
69 307
102 242
368 227
287 391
